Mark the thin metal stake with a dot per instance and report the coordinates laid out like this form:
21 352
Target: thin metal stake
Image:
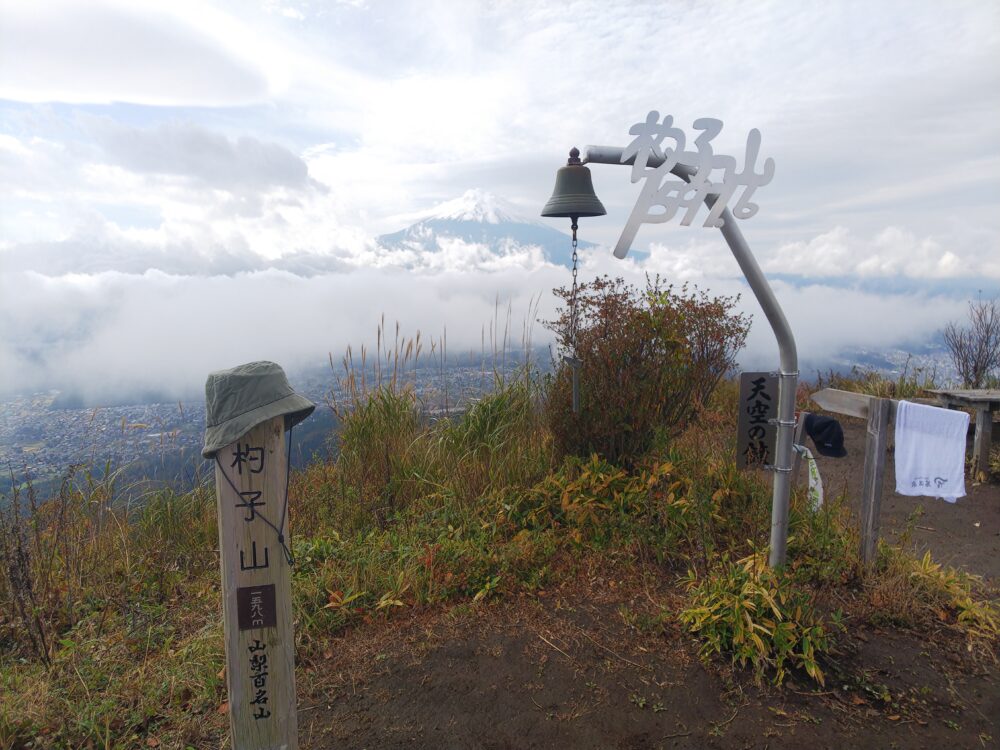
572 359
574 364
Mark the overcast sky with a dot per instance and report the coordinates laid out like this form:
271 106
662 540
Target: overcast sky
160 162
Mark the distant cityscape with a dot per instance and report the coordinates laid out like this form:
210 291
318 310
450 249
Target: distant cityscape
927 362
43 434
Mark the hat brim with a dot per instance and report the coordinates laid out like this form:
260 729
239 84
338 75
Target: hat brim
294 407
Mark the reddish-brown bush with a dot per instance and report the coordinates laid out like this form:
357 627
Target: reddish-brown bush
650 360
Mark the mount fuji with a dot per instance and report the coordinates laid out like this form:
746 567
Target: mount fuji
484 228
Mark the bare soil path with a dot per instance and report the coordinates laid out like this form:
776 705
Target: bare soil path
573 671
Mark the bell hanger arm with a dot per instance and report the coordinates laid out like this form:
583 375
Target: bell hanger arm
613 155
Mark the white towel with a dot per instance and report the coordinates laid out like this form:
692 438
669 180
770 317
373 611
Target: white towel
930 451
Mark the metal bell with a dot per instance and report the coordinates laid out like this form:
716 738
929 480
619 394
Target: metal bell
573 195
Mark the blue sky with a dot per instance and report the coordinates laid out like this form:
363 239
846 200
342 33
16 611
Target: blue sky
148 148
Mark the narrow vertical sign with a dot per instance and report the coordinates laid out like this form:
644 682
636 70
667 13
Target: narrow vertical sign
250 477
757 432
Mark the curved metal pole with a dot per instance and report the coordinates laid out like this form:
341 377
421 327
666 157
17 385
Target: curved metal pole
787 351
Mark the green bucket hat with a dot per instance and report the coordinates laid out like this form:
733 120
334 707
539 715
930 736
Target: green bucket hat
239 399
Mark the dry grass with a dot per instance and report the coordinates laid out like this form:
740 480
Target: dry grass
920 593
910 383
110 631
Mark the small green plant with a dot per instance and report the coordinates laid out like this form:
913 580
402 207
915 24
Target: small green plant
955 589
15 733
595 498
758 616
918 591
823 543
488 588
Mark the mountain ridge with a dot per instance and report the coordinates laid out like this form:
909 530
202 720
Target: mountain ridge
479 217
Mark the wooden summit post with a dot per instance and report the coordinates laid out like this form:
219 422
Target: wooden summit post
256 589
879 412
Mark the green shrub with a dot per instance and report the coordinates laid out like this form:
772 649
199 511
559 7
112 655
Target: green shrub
496 444
730 509
392 456
650 361
375 438
595 500
96 547
823 542
108 614
758 615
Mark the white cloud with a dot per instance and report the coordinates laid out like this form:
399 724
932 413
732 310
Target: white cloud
106 51
94 332
207 157
174 185
891 252
826 320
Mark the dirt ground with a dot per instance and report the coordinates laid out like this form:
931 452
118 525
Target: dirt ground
567 671
591 665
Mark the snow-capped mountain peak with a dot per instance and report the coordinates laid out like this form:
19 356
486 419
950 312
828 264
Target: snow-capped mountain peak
479 229
481 206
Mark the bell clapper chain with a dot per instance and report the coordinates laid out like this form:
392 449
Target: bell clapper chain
573 360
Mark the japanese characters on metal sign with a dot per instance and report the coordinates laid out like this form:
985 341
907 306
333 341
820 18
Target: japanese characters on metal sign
757 430
653 162
260 668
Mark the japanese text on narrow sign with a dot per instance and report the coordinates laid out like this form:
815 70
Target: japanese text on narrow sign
757 431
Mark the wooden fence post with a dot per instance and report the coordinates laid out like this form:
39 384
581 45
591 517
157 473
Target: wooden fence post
981 442
874 475
256 589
